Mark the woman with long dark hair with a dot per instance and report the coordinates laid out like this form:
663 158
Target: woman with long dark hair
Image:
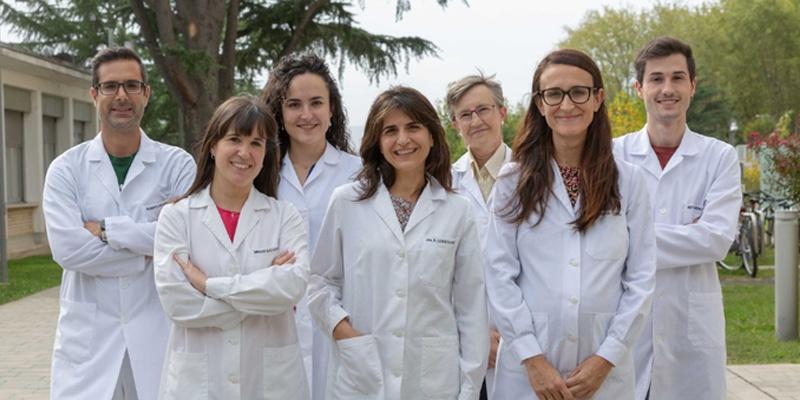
315 159
571 254
397 273
231 262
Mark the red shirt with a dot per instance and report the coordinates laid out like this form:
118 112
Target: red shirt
229 219
664 154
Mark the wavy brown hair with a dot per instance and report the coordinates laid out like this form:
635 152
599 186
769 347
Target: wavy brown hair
274 93
375 168
534 152
241 115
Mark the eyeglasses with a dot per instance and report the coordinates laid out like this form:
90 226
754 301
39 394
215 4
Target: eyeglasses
482 111
109 88
554 96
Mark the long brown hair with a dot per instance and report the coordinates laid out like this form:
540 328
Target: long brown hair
414 104
274 93
534 152
241 115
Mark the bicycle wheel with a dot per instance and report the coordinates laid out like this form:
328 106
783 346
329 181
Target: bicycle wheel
747 247
729 267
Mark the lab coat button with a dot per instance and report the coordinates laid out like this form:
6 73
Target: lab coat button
400 293
573 300
124 285
234 341
662 211
572 338
233 378
398 333
573 262
397 373
400 254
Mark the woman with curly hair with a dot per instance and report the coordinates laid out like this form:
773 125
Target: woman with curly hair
315 159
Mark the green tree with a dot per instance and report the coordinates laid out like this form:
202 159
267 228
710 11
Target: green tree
198 47
627 114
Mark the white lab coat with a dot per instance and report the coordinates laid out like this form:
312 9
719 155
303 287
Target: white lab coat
568 295
333 169
108 302
416 295
465 184
239 340
701 180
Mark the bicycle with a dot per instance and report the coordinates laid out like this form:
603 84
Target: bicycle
748 242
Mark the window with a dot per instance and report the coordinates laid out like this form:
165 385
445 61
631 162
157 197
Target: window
48 140
78 131
15 181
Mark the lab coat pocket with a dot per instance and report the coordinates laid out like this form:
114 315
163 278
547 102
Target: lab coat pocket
75 333
706 320
151 211
440 369
284 375
187 376
690 213
439 257
607 239
359 370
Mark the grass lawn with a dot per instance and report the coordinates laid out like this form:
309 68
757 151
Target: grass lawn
750 317
29 275
765 258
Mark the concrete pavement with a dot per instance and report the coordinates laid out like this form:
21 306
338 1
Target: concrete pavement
27 327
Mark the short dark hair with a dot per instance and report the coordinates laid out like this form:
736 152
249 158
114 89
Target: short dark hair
660 47
110 54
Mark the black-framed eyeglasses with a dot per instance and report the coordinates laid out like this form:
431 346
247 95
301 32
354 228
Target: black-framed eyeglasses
482 111
109 88
577 94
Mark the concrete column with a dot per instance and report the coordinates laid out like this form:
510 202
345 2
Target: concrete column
786 240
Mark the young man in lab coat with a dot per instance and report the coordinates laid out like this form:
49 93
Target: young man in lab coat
695 189
101 202
475 104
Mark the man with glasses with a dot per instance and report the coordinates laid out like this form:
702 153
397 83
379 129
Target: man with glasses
101 202
475 104
694 186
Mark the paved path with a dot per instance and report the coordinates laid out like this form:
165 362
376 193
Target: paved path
27 327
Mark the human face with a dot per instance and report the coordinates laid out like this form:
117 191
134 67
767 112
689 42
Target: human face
667 89
405 143
569 121
307 110
481 135
120 112
238 159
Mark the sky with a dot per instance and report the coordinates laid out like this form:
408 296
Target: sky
502 37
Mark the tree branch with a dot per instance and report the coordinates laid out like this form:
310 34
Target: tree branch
227 60
301 27
173 72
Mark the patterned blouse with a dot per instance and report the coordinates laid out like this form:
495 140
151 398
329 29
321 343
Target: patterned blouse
403 209
572 181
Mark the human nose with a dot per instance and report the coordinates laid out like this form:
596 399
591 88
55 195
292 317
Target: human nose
402 137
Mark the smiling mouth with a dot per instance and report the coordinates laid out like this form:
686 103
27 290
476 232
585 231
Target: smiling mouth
667 101
240 166
404 152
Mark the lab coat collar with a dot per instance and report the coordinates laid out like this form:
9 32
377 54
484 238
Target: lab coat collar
432 194
252 210
641 147
462 167
330 157
104 171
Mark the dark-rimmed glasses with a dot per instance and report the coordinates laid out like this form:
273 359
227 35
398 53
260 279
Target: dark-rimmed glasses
109 88
577 94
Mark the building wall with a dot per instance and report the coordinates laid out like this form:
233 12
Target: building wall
54 101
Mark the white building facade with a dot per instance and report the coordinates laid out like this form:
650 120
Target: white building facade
46 109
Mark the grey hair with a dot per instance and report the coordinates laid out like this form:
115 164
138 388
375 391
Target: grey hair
456 90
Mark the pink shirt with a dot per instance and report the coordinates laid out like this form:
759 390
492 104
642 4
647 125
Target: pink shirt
229 219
